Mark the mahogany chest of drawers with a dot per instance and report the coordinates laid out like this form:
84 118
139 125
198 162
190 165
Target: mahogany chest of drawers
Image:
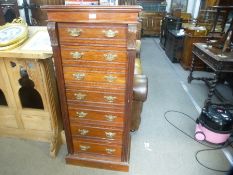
94 49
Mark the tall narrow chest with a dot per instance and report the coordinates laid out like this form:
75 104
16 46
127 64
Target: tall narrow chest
94 51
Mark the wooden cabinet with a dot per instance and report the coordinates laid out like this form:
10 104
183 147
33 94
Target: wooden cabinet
29 106
94 49
174 45
187 51
151 23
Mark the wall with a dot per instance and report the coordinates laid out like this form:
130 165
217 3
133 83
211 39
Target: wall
21 11
193 7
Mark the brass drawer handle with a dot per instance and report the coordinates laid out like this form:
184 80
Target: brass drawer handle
83 132
110 78
79 76
81 114
76 55
84 147
110 118
110 99
74 32
110 56
80 96
110 135
110 33
110 150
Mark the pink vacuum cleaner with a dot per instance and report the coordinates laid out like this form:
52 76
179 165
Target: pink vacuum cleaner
214 125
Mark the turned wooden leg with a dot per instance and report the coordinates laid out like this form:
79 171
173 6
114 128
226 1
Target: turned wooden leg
213 84
190 77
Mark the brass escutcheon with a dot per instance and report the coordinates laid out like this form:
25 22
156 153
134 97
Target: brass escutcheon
110 135
110 33
83 132
74 32
110 56
81 114
110 99
110 78
79 76
76 55
84 147
80 96
110 118
110 150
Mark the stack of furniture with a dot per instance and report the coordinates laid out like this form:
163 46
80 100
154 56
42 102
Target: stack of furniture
153 13
95 49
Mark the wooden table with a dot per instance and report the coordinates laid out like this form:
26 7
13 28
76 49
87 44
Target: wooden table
218 63
30 107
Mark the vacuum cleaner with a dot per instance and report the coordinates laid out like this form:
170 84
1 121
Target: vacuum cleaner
214 125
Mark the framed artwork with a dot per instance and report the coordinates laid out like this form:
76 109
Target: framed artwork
179 4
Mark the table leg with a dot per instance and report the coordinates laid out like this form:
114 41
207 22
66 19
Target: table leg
190 77
213 84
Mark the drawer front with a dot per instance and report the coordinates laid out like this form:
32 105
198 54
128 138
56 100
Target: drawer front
83 114
92 34
75 74
76 54
105 98
82 146
97 133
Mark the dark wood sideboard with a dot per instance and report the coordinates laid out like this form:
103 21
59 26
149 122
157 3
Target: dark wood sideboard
8 11
94 50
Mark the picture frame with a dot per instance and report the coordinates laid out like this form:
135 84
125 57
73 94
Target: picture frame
179 4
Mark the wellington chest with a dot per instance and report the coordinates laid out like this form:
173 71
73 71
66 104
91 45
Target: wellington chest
94 49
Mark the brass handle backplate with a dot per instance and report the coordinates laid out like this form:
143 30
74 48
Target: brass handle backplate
110 118
80 96
110 56
81 114
110 78
110 150
110 33
83 132
84 147
79 76
110 99
76 55
110 135
74 32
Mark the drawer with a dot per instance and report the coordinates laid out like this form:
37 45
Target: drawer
77 54
101 75
97 133
96 115
92 33
106 98
83 146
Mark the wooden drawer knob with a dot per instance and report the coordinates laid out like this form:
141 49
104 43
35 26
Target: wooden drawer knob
83 132
110 135
84 147
74 32
110 78
81 114
110 56
110 150
110 33
76 55
80 96
110 99
79 76
110 118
